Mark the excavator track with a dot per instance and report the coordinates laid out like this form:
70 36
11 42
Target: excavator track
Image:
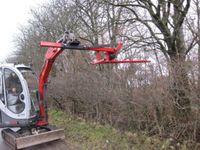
9 137
16 141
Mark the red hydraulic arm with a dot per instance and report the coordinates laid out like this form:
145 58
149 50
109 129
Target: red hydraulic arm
57 48
50 57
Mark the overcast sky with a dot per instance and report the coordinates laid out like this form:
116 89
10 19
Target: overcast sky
13 13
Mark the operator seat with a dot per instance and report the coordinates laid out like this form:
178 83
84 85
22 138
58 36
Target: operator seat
14 104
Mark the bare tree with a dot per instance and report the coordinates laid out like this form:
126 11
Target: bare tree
198 37
165 21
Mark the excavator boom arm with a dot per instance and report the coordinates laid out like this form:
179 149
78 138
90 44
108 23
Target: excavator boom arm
57 48
50 56
54 50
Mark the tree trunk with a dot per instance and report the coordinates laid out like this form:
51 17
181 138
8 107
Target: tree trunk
198 42
179 88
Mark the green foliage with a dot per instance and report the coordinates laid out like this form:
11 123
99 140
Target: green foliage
93 136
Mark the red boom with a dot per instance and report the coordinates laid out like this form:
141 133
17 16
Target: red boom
57 48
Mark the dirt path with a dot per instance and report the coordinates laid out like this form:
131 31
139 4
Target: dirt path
55 145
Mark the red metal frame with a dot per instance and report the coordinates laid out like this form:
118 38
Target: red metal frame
52 53
51 44
103 61
50 56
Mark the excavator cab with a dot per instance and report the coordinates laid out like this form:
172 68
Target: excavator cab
18 96
19 107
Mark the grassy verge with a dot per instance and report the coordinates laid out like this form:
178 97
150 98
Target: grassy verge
93 136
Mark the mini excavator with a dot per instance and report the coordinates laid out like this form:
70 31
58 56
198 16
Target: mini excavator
23 100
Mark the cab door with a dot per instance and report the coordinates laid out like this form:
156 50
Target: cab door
15 92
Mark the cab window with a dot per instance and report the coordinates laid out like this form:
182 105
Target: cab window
13 89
